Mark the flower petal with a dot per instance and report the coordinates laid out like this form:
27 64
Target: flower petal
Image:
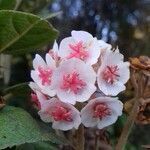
86 74
49 107
38 61
64 49
113 105
81 36
109 120
55 47
110 89
45 89
34 86
87 116
124 72
50 62
103 45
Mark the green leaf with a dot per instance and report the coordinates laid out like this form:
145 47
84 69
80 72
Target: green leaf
18 89
7 4
22 33
18 127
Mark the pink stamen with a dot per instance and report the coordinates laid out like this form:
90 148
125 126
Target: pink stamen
61 114
110 74
35 100
78 51
45 75
101 110
72 82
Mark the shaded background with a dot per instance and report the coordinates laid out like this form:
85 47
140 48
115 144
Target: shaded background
119 22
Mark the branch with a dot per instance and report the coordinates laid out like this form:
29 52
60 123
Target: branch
138 89
128 126
80 138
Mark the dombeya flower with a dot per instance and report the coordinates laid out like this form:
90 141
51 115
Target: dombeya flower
62 115
43 72
79 69
74 81
101 112
113 73
81 45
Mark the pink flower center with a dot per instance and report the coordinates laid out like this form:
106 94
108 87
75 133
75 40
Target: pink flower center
45 75
61 114
101 110
110 74
72 82
78 51
35 100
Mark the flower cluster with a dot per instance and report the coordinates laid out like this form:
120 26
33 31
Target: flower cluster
84 71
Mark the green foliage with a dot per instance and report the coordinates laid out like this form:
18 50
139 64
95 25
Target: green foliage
18 127
7 4
22 33
18 89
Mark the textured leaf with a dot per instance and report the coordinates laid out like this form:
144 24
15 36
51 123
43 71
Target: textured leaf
18 127
7 4
22 32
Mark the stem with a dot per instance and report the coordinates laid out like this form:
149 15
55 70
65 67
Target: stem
68 142
128 126
96 140
133 114
80 138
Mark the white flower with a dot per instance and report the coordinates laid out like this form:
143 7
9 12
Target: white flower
103 45
80 45
34 99
62 115
74 81
43 72
34 86
101 112
37 98
113 73
54 52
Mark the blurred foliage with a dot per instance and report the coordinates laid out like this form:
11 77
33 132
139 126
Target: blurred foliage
123 23
19 34
38 146
139 135
9 4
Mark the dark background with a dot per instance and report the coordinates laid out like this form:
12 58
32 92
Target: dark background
120 22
